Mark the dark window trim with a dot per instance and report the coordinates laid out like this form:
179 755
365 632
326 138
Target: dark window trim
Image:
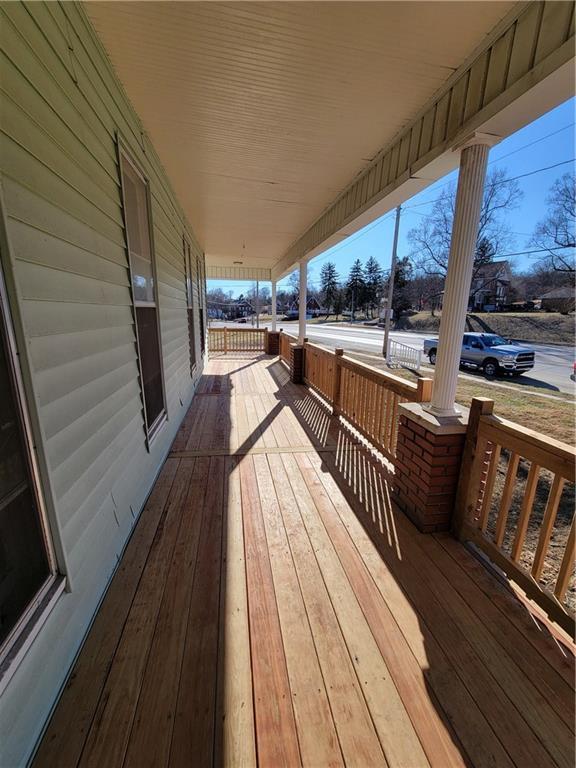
151 430
189 283
27 625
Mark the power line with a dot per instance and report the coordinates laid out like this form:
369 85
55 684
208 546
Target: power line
497 183
515 151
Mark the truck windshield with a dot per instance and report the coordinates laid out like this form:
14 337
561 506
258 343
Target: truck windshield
493 341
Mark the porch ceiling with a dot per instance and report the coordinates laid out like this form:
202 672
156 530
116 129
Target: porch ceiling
263 112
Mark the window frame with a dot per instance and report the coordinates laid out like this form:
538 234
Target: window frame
22 634
202 319
123 153
189 283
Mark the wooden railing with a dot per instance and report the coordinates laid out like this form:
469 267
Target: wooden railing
237 339
285 340
366 397
511 488
319 370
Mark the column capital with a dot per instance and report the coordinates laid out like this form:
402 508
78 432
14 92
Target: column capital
475 138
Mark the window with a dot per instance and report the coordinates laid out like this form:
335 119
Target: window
27 565
144 293
190 304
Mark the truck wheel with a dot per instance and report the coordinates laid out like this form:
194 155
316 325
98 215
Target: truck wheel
490 367
432 356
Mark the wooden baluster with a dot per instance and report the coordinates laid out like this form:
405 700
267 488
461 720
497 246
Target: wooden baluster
489 487
527 502
225 340
547 525
506 498
567 565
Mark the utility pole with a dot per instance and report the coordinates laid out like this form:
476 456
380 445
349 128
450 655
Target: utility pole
257 304
391 284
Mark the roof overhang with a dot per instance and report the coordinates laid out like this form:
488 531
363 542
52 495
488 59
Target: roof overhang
285 127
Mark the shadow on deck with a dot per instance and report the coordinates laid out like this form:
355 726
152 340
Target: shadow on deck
273 608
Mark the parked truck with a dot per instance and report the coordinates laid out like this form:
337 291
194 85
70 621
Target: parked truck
489 353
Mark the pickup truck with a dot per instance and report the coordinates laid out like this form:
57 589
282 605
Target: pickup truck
489 353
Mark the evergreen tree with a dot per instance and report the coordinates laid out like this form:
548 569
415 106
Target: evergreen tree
374 278
328 285
338 303
402 279
356 288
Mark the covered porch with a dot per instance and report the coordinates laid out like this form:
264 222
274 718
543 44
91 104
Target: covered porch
273 608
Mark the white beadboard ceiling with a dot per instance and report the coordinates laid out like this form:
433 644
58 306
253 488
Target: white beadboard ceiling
263 112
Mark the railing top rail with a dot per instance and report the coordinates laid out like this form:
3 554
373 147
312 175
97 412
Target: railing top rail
395 383
546 451
237 330
319 348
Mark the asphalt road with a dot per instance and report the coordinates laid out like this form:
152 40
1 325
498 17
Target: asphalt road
551 373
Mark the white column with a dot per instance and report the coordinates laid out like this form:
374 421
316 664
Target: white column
273 300
473 161
302 301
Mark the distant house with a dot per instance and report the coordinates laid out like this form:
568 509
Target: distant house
559 300
490 286
313 307
239 308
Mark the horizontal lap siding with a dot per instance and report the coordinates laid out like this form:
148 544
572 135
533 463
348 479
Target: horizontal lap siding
61 108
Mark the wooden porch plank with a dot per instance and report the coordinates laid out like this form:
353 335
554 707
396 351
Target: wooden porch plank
358 739
418 735
235 743
195 714
395 730
150 746
478 709
560 660
107 739
544 726
64 739
316 732
275 724
316 626
557 692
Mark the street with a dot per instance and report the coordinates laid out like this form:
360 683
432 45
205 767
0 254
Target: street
551 373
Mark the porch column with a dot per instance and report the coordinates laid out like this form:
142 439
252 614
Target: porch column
273 300
473 161
302 301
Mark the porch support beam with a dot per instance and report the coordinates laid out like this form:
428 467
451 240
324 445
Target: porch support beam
273 300
302 301
473 162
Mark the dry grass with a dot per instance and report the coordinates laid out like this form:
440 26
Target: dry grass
536 327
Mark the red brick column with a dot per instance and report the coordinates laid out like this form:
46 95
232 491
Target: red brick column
427 470
297 353
273 343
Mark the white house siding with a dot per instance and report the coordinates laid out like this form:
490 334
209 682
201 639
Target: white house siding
62 107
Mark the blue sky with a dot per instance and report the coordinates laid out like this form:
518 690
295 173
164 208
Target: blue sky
547 141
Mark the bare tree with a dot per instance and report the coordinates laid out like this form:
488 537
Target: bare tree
556 234
430 240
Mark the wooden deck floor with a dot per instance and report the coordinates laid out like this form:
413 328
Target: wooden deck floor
273 609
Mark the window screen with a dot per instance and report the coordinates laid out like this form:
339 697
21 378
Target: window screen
144 293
